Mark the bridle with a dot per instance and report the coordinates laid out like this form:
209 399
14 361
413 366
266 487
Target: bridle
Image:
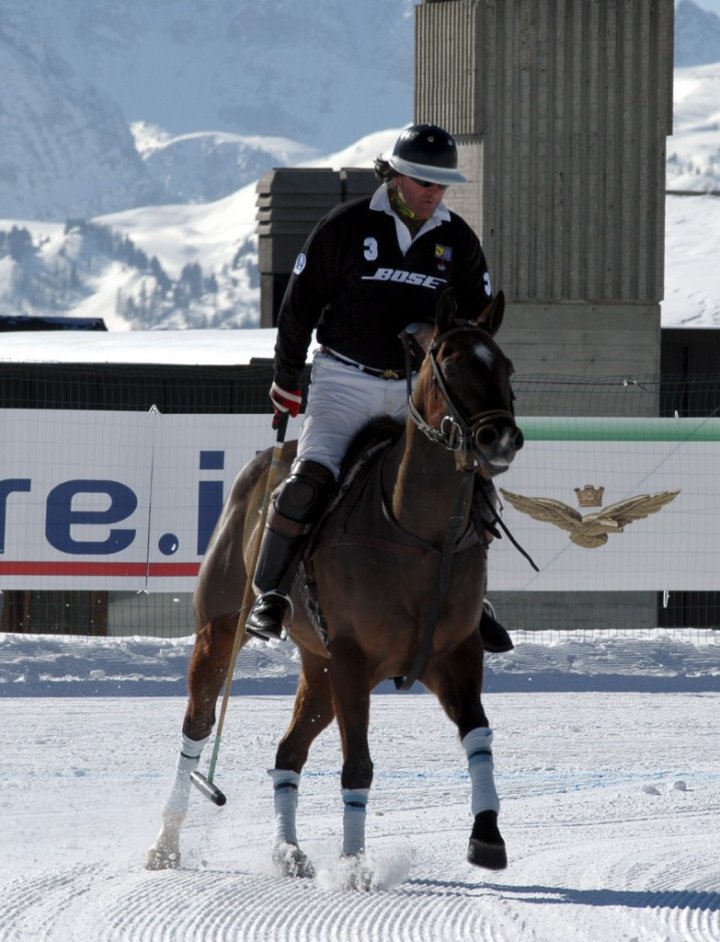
457 432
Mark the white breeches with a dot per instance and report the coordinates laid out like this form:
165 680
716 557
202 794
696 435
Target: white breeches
341 400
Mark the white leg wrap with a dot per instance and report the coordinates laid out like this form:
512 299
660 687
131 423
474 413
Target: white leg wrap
188 760
477 745
286 784
355 800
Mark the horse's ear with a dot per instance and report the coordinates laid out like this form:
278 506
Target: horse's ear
492 316
445 311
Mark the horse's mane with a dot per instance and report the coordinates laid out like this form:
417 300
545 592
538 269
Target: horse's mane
375 432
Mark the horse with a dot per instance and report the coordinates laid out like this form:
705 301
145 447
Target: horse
393 584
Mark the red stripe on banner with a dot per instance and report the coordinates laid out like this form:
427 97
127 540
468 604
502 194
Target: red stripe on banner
174 569
32 568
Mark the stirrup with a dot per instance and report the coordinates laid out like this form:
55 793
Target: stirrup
270 616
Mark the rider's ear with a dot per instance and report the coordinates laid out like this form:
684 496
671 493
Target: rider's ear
492 316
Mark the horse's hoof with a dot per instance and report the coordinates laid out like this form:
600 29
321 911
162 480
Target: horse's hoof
158 858
357 875
293 862
486 847
489 856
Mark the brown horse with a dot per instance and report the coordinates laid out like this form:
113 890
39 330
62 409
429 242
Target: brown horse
394 583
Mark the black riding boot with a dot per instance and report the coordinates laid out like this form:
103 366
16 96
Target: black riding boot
495 638
296 506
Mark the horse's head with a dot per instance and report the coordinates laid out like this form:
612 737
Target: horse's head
463 399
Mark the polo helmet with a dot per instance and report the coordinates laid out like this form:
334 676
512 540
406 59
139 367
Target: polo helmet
427 152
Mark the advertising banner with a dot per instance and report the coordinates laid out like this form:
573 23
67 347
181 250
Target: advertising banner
612 504
117 500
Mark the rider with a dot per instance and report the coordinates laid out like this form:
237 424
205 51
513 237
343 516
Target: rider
369 268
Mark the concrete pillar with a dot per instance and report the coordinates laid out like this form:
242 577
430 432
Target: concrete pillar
561 109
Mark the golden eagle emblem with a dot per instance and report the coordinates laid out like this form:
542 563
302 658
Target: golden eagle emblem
593 529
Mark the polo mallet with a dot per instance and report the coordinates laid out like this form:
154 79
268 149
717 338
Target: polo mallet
205 783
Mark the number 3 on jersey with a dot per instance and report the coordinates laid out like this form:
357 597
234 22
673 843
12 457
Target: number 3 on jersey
371 249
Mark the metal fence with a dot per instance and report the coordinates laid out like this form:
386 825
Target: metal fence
107 612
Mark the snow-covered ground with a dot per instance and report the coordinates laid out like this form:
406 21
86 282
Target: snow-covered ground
692 280
606 762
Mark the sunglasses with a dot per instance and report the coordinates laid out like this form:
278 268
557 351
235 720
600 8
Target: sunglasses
426 184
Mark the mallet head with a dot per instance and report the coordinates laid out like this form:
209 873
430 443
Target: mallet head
208 788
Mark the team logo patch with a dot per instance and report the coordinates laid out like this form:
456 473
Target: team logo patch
300 263
443 256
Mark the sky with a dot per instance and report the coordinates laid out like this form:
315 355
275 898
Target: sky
606 763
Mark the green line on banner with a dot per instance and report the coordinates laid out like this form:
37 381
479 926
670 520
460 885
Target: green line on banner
619 429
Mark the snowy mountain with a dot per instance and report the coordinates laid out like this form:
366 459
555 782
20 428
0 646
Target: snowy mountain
78 73
113 207
697 35
291 68
175 266
205 166
693 151
226 85
66 147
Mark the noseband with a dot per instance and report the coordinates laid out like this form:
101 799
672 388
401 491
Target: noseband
457 432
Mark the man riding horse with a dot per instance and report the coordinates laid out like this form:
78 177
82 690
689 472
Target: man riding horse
365 268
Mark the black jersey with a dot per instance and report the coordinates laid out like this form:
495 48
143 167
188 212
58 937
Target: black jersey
354 284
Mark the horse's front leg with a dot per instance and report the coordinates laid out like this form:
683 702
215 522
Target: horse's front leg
456 680
206 675
351 688
312 713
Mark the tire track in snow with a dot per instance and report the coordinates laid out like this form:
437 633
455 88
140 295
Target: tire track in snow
207 906
694 912
203 906
650 890
53 907
691 916
111 905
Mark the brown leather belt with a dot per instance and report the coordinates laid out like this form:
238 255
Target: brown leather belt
371 370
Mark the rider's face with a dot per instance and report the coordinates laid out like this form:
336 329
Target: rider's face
420 196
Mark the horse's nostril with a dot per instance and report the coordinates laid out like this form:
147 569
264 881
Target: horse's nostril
519 439
486 436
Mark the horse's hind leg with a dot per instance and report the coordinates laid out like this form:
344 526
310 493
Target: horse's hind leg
312 713
486 847
457 681
206 675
